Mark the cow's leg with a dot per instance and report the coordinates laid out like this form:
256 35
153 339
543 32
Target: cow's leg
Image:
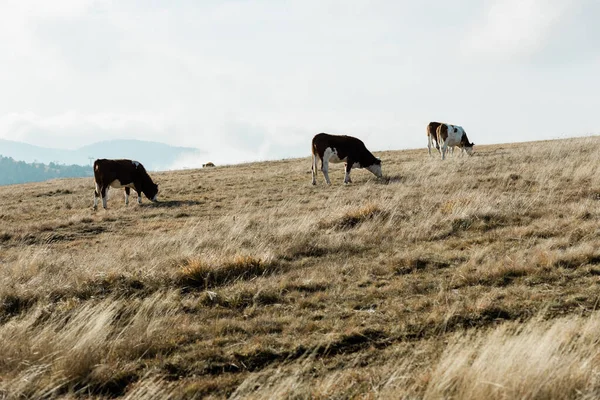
138 190
443 149
96 195
348 168
325 169
429 145
126 196
314 169
103 193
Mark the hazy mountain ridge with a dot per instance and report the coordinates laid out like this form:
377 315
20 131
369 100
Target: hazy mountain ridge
154 155
13 172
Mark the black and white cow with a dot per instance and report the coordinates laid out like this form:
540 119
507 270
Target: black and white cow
348 149
126 174
453 135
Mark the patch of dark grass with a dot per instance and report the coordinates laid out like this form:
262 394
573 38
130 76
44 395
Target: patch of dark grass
29 239
107 382
57 237
305 249
309 287
242 299
390 179
172 203
197 273
353 342
222 385
119 285
479 223
577 261
257 359
57 192
310 248
355 217
405 266
13 305
92 230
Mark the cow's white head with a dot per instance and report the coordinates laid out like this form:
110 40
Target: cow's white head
375 168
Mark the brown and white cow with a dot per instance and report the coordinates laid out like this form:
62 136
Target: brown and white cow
341 148
453 135
432 136
126 174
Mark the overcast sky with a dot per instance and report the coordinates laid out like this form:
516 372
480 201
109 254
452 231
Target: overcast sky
255 80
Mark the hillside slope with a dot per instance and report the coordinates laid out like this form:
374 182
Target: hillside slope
475 277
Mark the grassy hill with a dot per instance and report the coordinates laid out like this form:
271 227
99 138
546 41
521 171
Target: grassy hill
476 277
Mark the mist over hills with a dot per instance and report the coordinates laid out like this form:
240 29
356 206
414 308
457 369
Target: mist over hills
155 156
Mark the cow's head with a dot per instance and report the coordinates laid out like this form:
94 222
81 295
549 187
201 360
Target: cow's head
469 148
375 168
151 191
466 145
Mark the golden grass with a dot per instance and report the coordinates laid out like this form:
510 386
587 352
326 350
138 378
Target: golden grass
475 277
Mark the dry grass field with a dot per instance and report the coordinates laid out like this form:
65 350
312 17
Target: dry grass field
473 278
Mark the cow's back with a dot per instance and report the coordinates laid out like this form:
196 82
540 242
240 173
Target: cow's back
106 171
344 145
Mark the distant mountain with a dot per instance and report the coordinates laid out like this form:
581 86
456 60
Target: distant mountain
12 172
31 153
155 156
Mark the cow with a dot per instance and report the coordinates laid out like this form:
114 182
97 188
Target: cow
342 148
453 135
432 136
208 165
126 174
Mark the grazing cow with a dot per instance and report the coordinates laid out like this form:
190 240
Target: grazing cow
208 164
126 174
348 149
453 135
432 136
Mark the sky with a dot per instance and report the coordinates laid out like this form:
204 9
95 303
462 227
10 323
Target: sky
256 80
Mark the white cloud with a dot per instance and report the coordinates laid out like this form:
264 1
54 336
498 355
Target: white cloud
72 129
514 28
256 80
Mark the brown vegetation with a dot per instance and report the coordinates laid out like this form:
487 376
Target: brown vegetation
476 277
